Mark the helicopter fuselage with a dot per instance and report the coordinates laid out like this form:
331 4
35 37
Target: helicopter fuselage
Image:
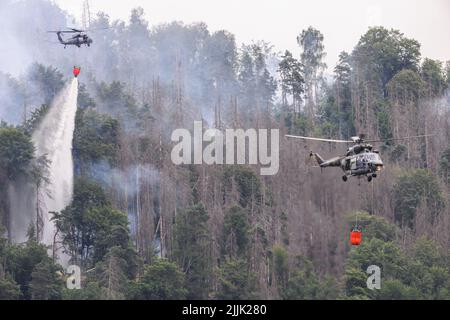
358 161
363 163
76 40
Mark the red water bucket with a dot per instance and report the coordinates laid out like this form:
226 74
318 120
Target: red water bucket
76 71
355 237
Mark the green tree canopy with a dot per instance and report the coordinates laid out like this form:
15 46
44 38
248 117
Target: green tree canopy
236 281
411 190
406 87
235 232
192 249
304 283
162 280
383 53
16 152
89 225
33 270
433 75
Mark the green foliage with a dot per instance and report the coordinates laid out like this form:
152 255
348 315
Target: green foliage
298 124
304 284
236 281
444 165
192 249
16 152
16 155
384 125
373 226
311 42
33 270
45 283
373 251
330 118
162 280
292 81
256 84
109 228
109 278
35 118
9 289
421 274
427 253
12 99
49 80
114 99
96 137
433 75
398 153
406 87
429 270
247 183
194 183
91 291
383 53
280 265
284 228
447 73
411 190
342 72
235 232
394 289
355 283
111 274
84 99
89 225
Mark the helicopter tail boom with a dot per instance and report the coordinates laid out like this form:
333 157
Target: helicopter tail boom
59 37
318 158
333 162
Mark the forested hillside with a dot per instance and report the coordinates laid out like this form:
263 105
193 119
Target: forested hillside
141 227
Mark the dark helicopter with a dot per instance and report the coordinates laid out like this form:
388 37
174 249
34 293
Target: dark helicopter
361 159
79 38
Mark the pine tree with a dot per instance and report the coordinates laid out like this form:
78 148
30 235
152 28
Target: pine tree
192 250
45 283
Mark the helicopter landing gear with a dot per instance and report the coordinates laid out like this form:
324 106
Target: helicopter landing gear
344 178
369 178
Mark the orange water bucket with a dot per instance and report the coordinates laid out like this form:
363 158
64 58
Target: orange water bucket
355 237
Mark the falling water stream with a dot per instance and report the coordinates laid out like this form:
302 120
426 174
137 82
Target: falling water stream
52 138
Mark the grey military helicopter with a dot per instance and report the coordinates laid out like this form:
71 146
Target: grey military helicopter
361 159
78 39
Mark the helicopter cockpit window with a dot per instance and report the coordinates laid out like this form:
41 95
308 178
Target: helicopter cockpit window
347 164
369 157
360 163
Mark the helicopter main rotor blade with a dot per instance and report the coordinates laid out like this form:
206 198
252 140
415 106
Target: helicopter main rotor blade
403 138
97 29
318 139
76 30
63 31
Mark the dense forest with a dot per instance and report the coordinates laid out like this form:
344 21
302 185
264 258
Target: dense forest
141 227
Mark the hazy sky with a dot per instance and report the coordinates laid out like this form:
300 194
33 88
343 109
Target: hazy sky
279 21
